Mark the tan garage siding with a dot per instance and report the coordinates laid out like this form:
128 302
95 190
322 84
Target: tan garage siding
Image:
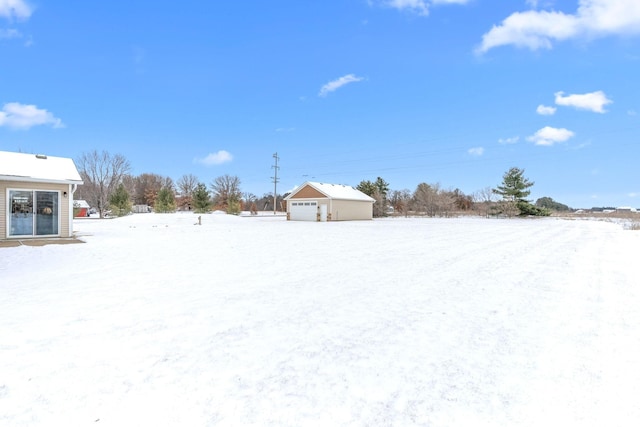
347 210
20 185
308 193
343 203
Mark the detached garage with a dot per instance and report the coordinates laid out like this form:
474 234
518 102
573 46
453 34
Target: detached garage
36 195
314 201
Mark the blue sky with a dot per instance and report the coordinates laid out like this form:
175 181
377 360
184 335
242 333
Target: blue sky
439 91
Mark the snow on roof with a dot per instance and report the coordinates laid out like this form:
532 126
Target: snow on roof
38 168
81 204
336 191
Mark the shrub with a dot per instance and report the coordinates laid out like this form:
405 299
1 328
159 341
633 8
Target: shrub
165 202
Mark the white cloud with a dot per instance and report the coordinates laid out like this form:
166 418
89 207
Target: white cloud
511 140
543 110
632 112
535 4
633 195
580 146
338 83
530 29
539 29
21 116
10 34
594 101
450 1
549 136
218 158
15 9
421 7
476 151
418 6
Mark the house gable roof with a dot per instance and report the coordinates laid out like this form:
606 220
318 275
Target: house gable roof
332 191
38 168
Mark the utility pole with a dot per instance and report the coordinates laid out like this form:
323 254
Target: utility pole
275 181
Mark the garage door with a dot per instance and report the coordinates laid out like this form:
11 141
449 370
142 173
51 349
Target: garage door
304 211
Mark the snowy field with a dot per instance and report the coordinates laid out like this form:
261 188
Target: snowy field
156 321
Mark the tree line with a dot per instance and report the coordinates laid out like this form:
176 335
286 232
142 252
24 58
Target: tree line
510 198
110 188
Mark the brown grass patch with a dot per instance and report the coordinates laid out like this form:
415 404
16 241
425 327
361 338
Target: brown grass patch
38 242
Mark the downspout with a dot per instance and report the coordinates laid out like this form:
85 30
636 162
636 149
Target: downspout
72 190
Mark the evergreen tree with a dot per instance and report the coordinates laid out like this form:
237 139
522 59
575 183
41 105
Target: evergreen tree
514 191
379 186
515 187
367 187
382 186
201 200
233 205
119 201
549 203
377 190
166 201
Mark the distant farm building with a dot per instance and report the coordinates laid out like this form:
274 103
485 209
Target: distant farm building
81 209
314 201
36 195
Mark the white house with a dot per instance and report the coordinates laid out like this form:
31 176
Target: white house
314 201
623 209
36 195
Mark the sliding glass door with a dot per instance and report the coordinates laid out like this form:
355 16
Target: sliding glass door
34 213
47 213
21 220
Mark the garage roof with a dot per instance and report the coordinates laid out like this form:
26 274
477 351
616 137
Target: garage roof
334 191
37 168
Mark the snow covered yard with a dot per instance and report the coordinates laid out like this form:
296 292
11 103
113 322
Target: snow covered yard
156 321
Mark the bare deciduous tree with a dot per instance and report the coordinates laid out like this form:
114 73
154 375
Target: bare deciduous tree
461 201
148 185
225 190
400 201
379 207
424 199
101 173
484 199
265 202
432 200
186 186
248 200
129 182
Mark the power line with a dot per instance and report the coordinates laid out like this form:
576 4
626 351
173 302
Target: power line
275 181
